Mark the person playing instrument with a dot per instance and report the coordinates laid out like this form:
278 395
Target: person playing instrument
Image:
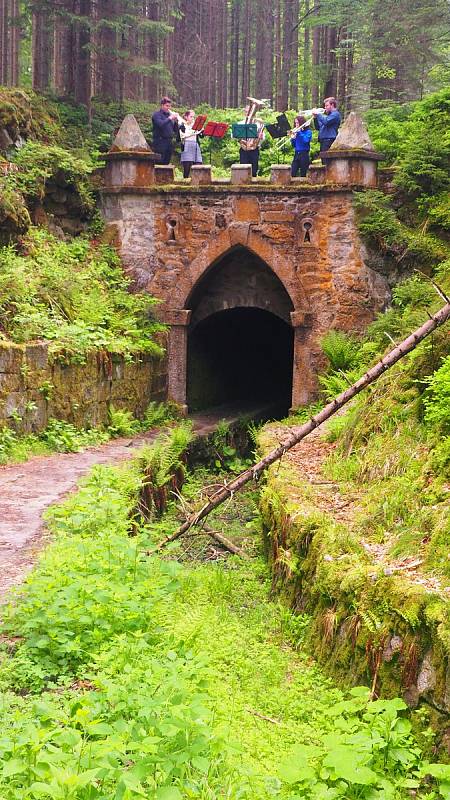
327 124
301 141
165 125
249 148
190 148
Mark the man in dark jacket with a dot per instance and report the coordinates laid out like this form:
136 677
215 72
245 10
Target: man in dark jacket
328 123
165 125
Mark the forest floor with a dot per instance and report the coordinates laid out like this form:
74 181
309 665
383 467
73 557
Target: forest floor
308 461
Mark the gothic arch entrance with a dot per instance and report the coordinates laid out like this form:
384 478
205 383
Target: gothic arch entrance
240 340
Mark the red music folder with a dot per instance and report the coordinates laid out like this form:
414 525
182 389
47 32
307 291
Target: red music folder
199 122
216 129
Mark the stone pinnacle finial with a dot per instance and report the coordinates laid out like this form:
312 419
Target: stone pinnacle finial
353 135
129 136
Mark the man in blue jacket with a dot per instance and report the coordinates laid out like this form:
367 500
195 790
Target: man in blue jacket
165 125
327 124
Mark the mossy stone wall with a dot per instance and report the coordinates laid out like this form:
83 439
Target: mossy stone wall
35 387
368 626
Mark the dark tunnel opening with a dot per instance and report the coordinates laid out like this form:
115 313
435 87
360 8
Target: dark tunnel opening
242 357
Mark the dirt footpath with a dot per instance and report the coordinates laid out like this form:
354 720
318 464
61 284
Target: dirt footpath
27 489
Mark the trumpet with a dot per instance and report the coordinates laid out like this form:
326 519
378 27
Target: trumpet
178 118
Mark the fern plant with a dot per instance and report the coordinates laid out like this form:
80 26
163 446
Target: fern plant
341 349
162 465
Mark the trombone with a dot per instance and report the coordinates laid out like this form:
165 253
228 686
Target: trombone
310 114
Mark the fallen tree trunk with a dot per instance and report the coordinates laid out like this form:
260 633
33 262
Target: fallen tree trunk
227 543
370 376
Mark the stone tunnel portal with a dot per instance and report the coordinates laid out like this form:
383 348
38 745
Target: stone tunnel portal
240 339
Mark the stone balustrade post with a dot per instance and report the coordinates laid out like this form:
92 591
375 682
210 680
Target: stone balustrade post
164 173
129 162
241 174
201 175
356 167
281 174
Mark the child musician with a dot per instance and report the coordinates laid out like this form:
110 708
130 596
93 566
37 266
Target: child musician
301 141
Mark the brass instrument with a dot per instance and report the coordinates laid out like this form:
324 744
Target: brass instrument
180 120
254 106
310 115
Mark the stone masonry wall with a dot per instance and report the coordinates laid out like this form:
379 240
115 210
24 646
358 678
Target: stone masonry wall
170 237
33 388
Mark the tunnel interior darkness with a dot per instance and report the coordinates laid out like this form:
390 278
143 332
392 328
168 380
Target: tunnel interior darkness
242 357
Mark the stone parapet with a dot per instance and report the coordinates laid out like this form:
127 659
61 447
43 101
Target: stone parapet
164 173
129 169
352 167
280 174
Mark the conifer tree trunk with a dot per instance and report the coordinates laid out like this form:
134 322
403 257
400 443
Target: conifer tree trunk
286 53
42 41
278 61
234 66
315 60
307 60
82 62
264 49
293 88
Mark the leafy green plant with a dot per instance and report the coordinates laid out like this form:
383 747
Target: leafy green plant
341 349
74 295
121 422
437 397
157 414
162 466
63 437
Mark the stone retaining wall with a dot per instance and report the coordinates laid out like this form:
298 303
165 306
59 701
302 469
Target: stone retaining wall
35 387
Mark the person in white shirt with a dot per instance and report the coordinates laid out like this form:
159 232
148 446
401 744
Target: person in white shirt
190 148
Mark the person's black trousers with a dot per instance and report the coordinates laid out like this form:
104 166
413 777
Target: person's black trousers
325 144
250 157
165 151
300 162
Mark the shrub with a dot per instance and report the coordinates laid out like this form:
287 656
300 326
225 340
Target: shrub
75 295
341 349
437 398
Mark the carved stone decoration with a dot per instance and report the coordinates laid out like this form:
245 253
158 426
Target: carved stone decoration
353 135
129 137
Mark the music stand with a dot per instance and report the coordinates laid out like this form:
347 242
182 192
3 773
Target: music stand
199 122
215 130
244 130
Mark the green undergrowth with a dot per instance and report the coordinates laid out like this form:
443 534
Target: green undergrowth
142 677
410 225
375 577
75 296
64 437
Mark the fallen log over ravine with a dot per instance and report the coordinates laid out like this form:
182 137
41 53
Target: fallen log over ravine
227 491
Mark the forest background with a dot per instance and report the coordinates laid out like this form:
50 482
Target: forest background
293 52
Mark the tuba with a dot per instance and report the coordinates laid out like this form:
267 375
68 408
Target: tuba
254 106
